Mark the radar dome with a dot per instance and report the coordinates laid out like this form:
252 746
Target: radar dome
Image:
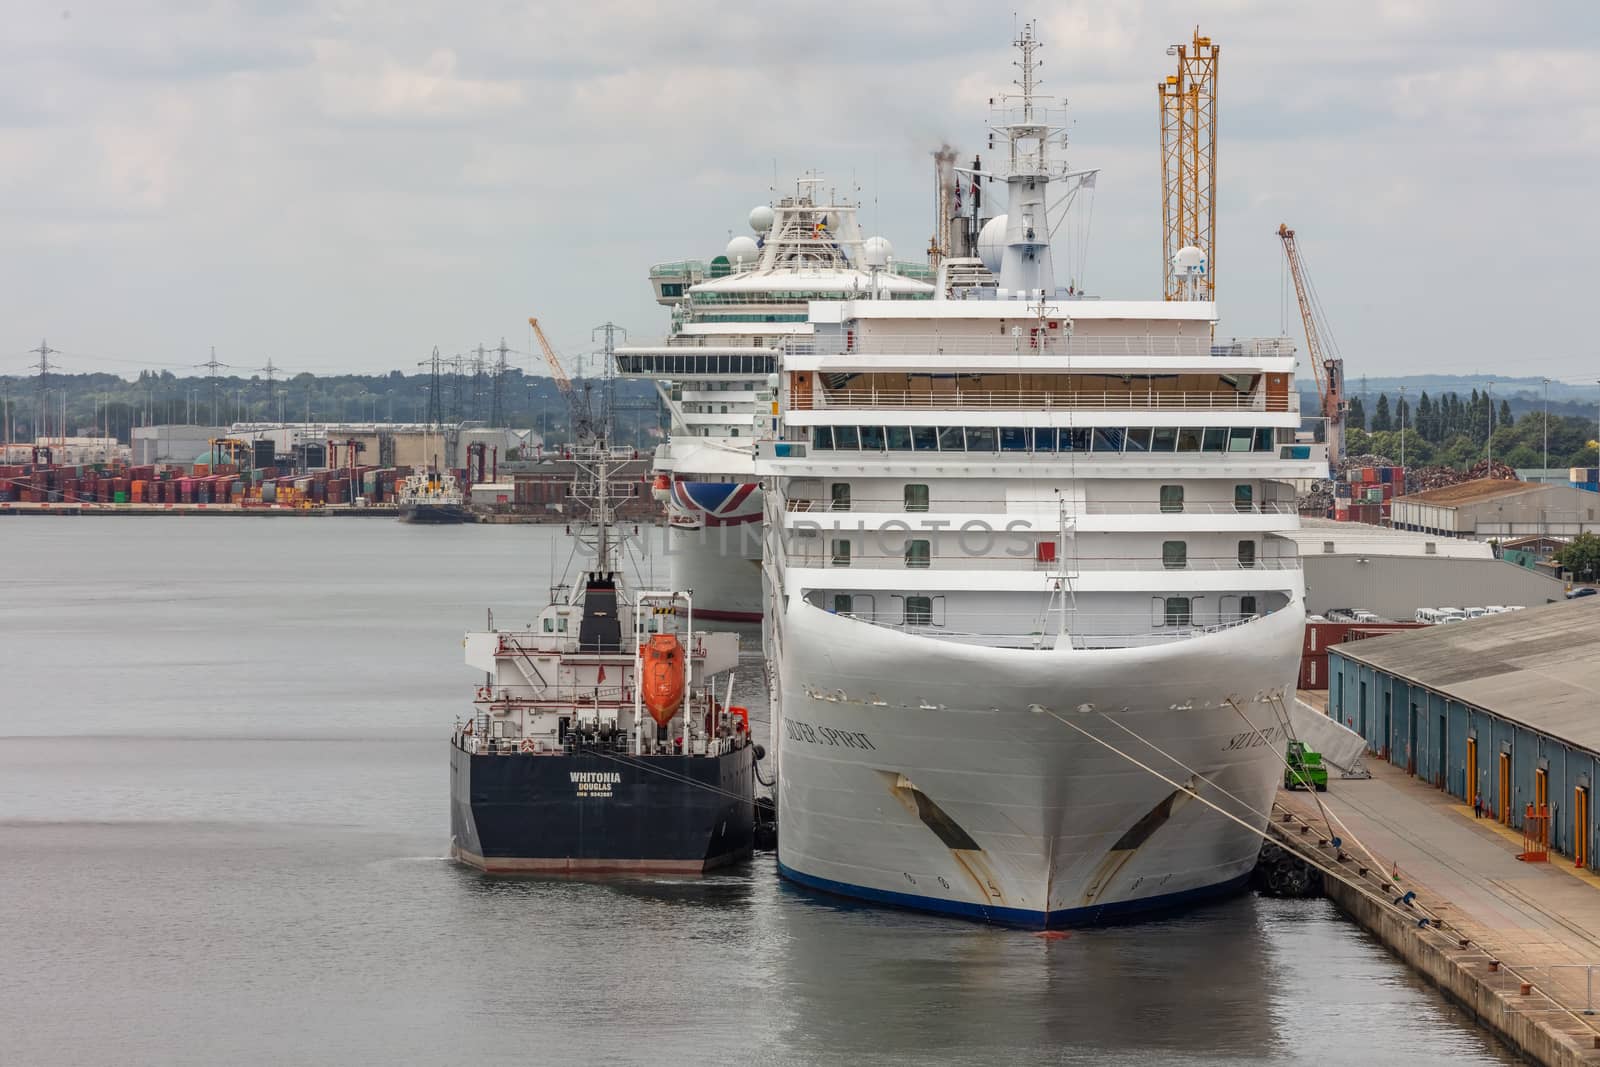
992 243
877 251
742 247
1189 260
761 217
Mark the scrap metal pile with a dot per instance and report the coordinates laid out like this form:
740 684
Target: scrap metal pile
1319 498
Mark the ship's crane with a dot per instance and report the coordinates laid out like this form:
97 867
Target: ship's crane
577 405
1188 100
1326 362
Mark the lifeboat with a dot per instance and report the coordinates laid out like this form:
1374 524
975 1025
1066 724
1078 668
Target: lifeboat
661 677
661 488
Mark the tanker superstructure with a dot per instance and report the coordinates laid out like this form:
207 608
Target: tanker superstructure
601 738
715 363
1017 540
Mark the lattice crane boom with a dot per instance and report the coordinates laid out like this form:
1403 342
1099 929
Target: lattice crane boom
1188 100
1325 364
562 381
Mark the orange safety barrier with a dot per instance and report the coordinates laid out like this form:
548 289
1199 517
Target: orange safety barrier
1535 835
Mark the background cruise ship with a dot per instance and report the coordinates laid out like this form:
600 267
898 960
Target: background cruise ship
1017 541
718 356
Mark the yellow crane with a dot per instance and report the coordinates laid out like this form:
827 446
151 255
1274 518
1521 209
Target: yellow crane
578 408
1326 363
562 381
1189 165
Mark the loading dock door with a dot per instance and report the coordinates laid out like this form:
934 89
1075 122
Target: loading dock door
1411 745
1439 750
1504 799
1472 771
1580 826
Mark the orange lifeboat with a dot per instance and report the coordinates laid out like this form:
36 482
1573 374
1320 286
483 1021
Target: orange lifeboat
661 677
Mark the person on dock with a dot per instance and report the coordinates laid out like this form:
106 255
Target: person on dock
1477 806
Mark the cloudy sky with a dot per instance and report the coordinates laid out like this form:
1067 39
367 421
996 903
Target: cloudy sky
344 185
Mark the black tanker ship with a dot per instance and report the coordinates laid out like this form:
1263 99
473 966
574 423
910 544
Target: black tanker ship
598 742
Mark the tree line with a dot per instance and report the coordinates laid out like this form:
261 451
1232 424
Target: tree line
1458 431
106 404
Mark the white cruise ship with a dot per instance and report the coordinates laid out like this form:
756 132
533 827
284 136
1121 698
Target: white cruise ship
726 320
1018 540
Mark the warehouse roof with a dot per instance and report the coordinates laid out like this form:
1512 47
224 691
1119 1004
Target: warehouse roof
1470 492
1539 668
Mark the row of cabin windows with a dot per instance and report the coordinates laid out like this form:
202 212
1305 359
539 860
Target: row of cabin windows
686 364
1244 498
916 497
1174 554
1029 439
1178 610
918 553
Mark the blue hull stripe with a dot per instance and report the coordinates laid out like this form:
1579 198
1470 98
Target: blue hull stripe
1090 916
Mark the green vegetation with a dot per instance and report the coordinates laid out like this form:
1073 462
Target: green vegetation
1581 557
106 403
1453 431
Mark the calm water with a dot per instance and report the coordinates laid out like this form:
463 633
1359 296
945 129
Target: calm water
223 782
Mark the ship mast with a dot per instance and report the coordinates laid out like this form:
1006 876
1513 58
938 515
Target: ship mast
1029 125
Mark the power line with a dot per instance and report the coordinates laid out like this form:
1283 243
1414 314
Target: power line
497 414
44 352
212 366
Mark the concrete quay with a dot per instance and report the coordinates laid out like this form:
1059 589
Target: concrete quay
1516 943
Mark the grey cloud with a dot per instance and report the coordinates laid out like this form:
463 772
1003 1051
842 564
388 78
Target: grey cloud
374 178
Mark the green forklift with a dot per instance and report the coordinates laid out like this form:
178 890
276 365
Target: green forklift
1305 769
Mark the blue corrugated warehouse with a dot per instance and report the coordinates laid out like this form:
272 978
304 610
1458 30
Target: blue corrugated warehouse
1506 707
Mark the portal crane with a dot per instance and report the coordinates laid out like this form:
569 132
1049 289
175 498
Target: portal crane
1326 362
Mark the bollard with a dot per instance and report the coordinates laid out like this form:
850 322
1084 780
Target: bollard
1527 987
1494 965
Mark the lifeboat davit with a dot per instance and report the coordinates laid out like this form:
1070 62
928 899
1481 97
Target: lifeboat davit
661 677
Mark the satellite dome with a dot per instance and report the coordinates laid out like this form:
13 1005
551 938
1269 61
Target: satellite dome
877 251
992 243
761 217
742 247
1189 260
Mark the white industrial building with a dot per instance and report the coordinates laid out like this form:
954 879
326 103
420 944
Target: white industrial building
1392 573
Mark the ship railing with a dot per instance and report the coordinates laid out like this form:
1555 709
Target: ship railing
1085 631
957 561
1052 504
1029 400
1036 342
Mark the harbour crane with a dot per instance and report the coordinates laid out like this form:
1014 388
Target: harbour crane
577 406
1326 363
1188 101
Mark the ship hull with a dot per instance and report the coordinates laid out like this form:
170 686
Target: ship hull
721 563
597 814
437 514
958 780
